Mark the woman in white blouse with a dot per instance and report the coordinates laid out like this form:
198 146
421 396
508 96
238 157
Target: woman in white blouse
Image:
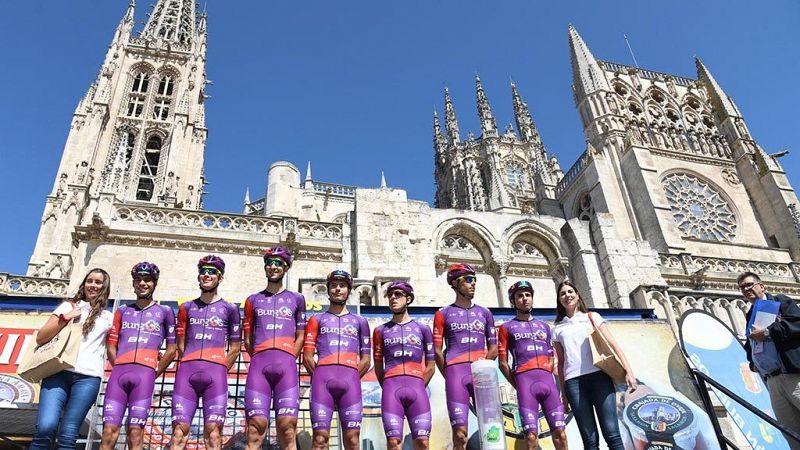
74 391
584 387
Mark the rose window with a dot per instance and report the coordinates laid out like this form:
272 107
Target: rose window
698 209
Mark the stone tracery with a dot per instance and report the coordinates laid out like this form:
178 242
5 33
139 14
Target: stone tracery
698 209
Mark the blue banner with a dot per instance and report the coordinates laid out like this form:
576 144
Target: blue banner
712 348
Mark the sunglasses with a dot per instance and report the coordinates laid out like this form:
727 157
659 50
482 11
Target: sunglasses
274 262
397 294
209 271
471 279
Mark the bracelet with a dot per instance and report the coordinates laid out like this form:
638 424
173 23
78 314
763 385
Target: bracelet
61 318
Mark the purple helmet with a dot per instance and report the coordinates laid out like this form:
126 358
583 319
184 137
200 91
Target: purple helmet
458 270
339 275
403 286
212 261
145 268
519 286
279 252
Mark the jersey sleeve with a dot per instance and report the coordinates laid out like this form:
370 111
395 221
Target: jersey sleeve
169 325
377 344
234 323
427 342
312 331
182 321
116 326
300 313
491 330
249 316
502 343
364 336
438 329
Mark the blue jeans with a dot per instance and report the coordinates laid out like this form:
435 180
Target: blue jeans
590 392
67 392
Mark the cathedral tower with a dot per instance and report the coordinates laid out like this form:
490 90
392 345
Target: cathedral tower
138 134
508 171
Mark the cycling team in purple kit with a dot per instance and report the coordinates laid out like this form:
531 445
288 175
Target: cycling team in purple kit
208 333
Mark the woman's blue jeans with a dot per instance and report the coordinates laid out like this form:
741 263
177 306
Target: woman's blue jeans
67 392
590 392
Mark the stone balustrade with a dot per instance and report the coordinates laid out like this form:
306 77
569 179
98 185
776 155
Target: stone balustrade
574 171
20 285
688 264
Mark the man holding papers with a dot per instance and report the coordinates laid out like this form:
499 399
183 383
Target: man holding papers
773 348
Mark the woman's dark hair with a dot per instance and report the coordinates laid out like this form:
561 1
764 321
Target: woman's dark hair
561 312
99 304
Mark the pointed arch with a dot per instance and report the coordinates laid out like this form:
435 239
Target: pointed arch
478 235
544 239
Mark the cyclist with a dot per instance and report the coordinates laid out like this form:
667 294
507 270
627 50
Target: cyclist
467 333
206 326
341 342
404 364
134 341
529 342
274 324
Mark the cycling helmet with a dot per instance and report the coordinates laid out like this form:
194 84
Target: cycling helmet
519 286
403 286
212 261
458 270
339 275
279 252
145 268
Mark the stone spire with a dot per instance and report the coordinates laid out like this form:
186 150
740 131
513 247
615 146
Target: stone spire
308 183
587 76
525 126
439 141
488 123
383 180
173 21
450 121
722 103
125 27
247 196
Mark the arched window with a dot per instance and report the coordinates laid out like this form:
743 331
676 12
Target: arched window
140 83
163 98
149 171
138 95
165 85
515 176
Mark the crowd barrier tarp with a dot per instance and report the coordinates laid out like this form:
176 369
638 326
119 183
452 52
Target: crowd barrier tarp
663 411
711 347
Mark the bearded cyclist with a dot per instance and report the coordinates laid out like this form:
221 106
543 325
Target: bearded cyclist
463 332
404 364
529 342
134 341
206 326
340 341
274 324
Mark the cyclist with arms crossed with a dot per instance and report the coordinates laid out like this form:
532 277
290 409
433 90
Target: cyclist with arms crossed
404 364
134 341
341 342
206 325
528 341
467 333
274 324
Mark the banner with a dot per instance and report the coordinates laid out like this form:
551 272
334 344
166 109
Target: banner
663 410
712 348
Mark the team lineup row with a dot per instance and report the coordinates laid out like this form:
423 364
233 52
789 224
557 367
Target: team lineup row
334 346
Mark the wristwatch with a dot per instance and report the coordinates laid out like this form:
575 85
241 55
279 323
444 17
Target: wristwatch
766 332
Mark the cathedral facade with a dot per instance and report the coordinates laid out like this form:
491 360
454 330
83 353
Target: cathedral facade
671 199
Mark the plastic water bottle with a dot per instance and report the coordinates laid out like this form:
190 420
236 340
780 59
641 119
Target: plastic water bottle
488 406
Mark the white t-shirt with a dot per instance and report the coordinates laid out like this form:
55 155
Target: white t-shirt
92 352
573 334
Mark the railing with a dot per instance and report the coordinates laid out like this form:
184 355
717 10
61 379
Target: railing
644 73
731 311
574 171
340 190
689 264
33 286
226 222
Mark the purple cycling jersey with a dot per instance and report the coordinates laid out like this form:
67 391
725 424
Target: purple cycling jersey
338 340
404 348
465 332
208 327
138 333
273 320
529 344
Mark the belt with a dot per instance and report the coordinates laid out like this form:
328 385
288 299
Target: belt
774 373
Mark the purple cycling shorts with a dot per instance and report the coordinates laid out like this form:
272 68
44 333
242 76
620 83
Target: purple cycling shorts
129 387
405 396
335 387
272 380
538 388
200 379
459 388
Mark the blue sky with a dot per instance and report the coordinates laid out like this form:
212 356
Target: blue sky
352 85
